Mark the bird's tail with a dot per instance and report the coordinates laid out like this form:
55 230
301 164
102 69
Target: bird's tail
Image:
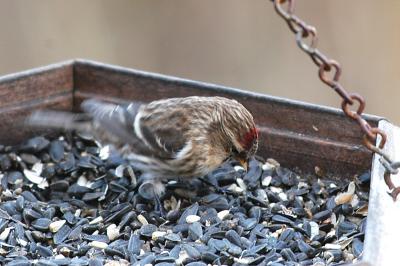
59 120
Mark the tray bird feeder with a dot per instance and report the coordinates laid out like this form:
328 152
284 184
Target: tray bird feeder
309 136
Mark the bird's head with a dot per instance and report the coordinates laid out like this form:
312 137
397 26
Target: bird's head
243 134
246 147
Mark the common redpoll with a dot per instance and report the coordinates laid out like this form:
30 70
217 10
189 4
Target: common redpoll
176 137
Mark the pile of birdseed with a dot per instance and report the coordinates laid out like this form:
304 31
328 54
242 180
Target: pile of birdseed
72 201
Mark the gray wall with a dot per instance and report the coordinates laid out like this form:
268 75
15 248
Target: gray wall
231 42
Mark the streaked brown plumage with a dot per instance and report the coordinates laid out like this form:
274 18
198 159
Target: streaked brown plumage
176 137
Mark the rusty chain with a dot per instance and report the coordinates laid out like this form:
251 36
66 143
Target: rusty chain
329 72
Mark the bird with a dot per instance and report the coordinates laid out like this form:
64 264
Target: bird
183 137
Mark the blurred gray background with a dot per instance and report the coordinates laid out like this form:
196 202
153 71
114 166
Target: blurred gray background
236 43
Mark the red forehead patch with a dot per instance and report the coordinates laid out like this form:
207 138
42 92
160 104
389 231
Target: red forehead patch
249 137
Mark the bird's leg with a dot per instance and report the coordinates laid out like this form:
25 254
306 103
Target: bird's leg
158 206
158 190
152 189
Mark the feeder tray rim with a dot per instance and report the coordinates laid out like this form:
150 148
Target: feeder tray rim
183 81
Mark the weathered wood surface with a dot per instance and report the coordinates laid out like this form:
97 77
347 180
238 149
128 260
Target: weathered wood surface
14 129
36 85
46 87
381 246
297 134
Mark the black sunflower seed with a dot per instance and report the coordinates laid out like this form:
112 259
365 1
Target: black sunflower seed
192 210
44 251
195 231
61 234
323 215
135 244
35 144
147 230
268 215
233 237
99 238
56 150
41 224
357 247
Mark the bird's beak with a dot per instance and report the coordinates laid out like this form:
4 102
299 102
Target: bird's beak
244 163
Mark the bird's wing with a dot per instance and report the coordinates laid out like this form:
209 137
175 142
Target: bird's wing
59 120
117 120
149 134
163 130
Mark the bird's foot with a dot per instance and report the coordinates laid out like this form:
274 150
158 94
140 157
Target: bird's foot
158 207
151 190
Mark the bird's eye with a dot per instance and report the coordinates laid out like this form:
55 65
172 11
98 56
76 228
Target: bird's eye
226 159
234 151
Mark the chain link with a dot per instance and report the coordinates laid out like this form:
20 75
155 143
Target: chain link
329 72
